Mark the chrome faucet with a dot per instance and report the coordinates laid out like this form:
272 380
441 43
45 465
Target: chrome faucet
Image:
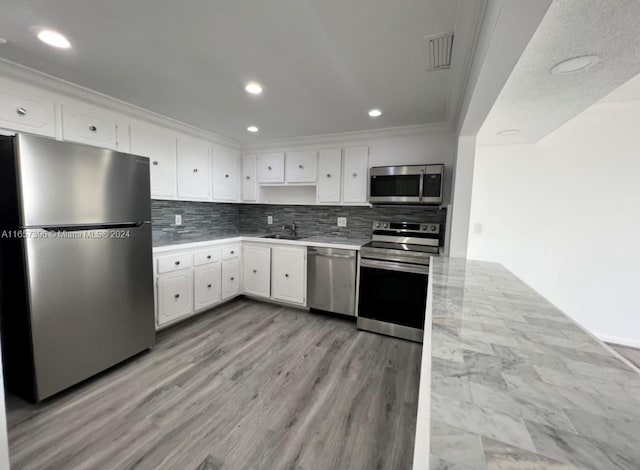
291 227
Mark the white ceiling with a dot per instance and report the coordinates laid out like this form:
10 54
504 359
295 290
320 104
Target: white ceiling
324 63
629 91
538 102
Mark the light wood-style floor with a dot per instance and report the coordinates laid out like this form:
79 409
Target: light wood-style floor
247 386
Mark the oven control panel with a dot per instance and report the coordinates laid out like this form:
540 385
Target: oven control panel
407 227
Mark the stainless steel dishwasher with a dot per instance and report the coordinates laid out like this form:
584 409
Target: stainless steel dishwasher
331 280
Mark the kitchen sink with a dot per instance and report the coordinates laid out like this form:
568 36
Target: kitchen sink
282 237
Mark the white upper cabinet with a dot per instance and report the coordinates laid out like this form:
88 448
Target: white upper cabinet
159 145
226 171
355 175
257 270
89 124
329 175
194 169
249 183
301 167
288 274
24 108
271 168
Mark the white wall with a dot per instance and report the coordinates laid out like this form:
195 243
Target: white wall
564 215
461 197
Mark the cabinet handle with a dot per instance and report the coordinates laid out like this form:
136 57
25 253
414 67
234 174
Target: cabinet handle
301 167
286 275
355 174
177 263
177 296
269 168
255 271
195 170
328 175
232 252
248 177
21 111
209 286
233 278
226 176
93 128
155 162
208 256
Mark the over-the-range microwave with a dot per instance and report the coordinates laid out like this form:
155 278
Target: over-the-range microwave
411 184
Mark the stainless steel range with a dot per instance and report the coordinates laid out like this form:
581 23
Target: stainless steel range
393 277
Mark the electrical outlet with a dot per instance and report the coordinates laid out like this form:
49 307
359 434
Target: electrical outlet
178 219
477 229
270 219
342 221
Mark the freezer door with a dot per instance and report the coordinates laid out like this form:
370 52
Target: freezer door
61 183
91 301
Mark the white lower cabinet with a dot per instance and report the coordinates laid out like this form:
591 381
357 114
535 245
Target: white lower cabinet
289 274
207 285
175 295
257 270
230 278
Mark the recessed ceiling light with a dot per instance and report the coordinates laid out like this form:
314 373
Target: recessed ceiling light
254 88
575 64
54 39
509 132
252 129
375 113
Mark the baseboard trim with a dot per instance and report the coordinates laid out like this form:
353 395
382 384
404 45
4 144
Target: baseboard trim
619 341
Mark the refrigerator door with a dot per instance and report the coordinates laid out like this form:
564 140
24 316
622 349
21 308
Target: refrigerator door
64 184
91 301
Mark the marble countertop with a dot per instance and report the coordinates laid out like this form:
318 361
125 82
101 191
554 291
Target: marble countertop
321 240
515 383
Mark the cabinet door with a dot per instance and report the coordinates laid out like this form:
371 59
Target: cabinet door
175 296
226 179
89 125
25 108
230 278
194 169
249 184
301 167
355 174
329 175
289 274
271 168
257 270
207 285
159 145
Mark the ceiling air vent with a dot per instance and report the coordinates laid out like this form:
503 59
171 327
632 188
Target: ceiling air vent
438 49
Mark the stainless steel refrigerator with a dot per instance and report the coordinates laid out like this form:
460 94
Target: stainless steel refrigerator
75 246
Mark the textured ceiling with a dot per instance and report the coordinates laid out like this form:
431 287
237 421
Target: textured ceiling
324 63
629 91
538 102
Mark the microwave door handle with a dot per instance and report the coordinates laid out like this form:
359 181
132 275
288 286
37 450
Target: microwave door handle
421 188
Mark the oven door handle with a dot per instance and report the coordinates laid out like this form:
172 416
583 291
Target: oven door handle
389 266
421 185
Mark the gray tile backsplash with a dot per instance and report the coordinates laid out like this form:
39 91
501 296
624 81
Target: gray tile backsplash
322 220
198 219
205 218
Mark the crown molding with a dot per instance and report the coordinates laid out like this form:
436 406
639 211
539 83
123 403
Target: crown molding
56 85
352 138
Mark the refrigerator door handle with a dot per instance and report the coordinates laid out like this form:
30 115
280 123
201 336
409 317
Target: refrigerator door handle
79 228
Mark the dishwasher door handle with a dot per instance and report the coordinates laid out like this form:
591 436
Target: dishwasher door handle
324 255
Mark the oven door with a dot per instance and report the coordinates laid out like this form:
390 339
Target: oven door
396 184
393 293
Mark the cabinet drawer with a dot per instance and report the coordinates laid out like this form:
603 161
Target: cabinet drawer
230 251
205 257
166 264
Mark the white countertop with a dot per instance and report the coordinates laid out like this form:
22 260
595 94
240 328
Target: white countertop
319 241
